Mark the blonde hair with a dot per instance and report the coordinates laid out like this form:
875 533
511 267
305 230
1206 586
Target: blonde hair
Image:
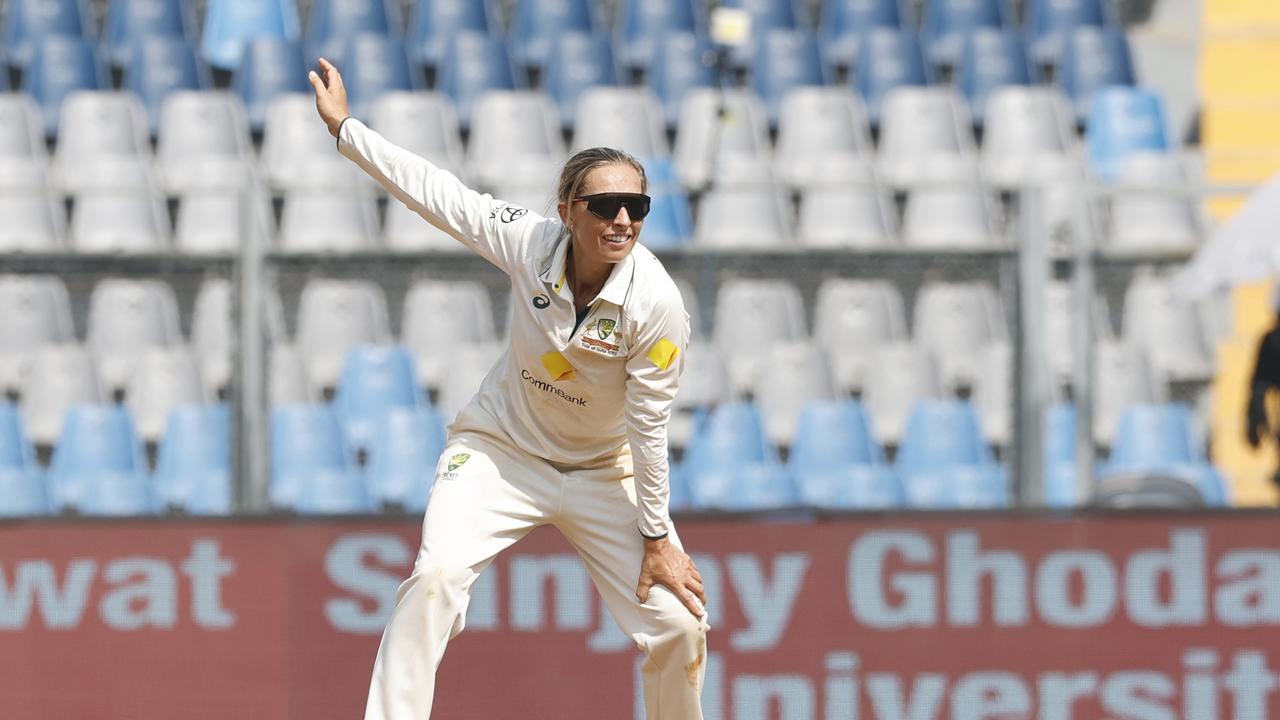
576 168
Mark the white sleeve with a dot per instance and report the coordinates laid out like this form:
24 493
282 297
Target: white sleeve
494 229
654 365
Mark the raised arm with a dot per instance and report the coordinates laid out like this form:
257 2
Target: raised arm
493 229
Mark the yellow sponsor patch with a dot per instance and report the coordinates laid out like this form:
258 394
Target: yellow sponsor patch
663 353
557 367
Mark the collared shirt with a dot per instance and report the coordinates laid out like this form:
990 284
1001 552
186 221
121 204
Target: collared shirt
577 397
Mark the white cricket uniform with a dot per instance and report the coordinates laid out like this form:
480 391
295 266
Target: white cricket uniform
568 429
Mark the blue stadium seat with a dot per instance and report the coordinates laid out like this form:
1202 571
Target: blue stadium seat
766 16
374 379
1060 489
129 21
642 24
669 223
332 22
730 464
538 24
160 65
375 64
682 61
837 464
21 488
943 460
1094 58
577 62
433 22
62 65
193 466
947 22
309 469
1048 22
272 66
403 456
844 22
474 63
1123 121
1162 439
785 59
230 24
991 59
28 22
887 59
98 466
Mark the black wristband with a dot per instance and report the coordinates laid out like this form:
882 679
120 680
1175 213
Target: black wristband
663 536
337 139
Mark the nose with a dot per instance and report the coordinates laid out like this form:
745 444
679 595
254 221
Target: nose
623 218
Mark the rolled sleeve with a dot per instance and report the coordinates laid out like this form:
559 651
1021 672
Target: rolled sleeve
495 230
653 377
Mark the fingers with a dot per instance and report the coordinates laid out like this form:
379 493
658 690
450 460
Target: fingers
331 75
315 81
693 603
642 590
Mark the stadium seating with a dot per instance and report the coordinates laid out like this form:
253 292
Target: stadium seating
1048 22
743 218
108 221
957 321
28 23
1164 439
193 466
704 384
576 62
433 22
230 25
126 317
731 465
310 473
1123 121
1061 489
22 491
843 24
944 462
681 62
213 335
1092 60
669 224
751 315
989 60
948 22
1123 378
823 139
796 373
374 379
926 137
899 374
98 467
1151 207
474 64
622 117
785 59
162 379
333 317
888 59
850 319
537 27
272 66
130 22
198 132
1022 126
328 222
705 136
439 314
332 24
61 376
515 139
374 65
1170 329
423 123
766 16
61 65
162 65
837 464
99 133
21 128
950 217
402 458
287 380
37 313
866 220
641 25
298 153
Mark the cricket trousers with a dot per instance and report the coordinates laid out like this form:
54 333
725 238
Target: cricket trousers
486 497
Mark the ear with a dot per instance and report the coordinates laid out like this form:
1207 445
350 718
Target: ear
563 209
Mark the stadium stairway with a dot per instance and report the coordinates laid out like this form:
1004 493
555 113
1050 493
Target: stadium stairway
1240 92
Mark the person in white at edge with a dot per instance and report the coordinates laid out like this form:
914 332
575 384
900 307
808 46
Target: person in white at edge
568 428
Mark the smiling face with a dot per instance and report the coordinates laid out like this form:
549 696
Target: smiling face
597 240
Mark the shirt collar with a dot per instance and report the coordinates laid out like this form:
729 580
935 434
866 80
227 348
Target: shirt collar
555 270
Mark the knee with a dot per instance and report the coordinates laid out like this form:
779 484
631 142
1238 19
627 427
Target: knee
675 624
440 579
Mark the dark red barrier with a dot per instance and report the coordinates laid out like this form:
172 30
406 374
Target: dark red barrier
906 617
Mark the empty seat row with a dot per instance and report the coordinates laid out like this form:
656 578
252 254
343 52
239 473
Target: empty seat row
98 465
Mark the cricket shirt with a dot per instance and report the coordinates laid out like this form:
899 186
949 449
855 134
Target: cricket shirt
578 394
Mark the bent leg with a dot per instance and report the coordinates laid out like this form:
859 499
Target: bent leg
477 509
601 523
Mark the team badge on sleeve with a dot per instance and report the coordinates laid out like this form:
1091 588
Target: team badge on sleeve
663 353
458 460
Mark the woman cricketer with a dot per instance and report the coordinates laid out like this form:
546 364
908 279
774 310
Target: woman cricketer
568 428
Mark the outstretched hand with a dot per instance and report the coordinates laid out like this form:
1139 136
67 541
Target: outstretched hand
667 565
331 96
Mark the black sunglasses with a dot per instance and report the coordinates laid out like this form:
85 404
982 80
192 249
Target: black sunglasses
606 205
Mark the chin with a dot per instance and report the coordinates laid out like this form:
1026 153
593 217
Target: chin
615 253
